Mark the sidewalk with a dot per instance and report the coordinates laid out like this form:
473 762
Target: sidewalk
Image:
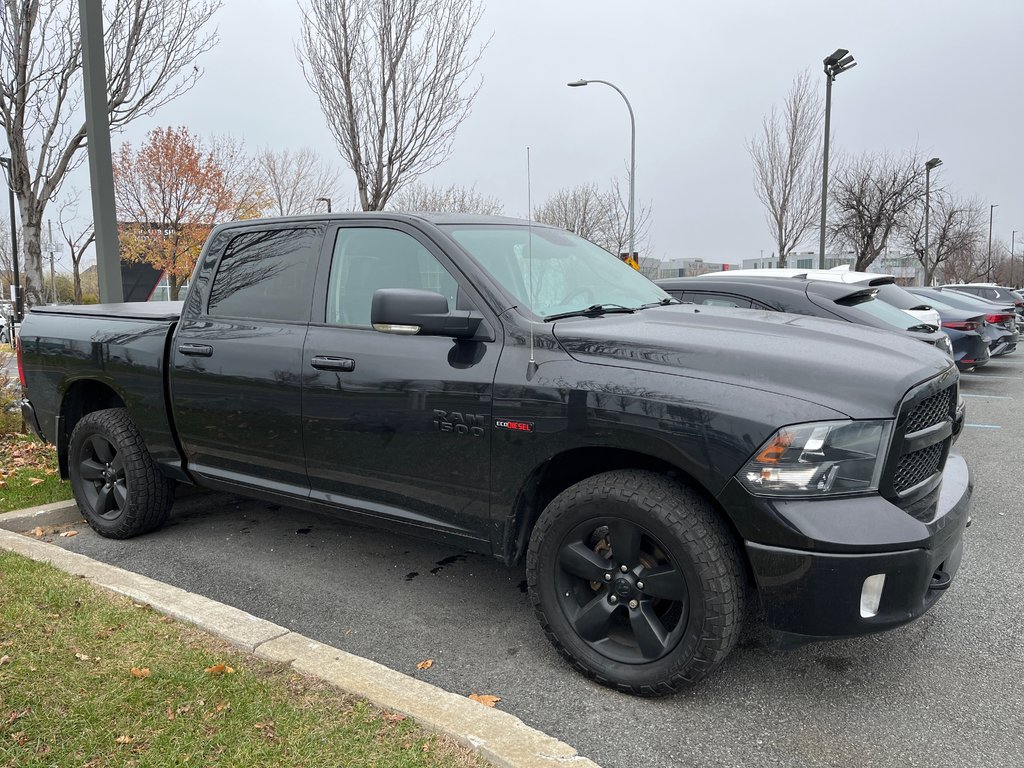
498 736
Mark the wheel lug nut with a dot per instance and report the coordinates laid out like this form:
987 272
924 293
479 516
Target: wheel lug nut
633 603
639 585
623 568
613 599
607 577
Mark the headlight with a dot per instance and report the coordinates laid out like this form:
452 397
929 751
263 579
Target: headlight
825 458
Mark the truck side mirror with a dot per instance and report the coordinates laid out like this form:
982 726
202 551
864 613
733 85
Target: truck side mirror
410 311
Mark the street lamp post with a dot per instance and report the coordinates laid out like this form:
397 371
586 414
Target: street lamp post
324 200
5 162
835 65
632 152
933 163
988 271
1013 243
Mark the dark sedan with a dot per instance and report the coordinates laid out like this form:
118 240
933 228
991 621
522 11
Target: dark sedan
833 300
968 331
997 294
1001 328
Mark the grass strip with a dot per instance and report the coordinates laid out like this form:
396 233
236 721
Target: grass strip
91 679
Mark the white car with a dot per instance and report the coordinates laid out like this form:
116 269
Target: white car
888 291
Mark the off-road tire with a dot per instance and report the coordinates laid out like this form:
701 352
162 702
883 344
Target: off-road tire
689 528
145 495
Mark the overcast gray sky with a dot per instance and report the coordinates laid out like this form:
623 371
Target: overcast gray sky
936 74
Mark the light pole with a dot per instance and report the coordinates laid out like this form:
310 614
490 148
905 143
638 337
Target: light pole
835 65
933 163
632 152
324 200
5 162
988 272
1013 243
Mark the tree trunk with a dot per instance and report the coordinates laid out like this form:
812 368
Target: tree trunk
33 286
173 285
78 282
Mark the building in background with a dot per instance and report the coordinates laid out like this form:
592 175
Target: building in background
905 267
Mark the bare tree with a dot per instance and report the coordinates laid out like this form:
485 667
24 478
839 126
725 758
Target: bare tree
78 237
967 265
295 180
393 78
955 227
601 216
150 46
873 200
451 199
787 165
583 209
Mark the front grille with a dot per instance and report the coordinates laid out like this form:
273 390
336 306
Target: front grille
917 466
930 411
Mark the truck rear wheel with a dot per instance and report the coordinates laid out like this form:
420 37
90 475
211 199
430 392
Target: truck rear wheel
636 581
117 486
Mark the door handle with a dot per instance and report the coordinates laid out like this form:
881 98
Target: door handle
325 363
196 350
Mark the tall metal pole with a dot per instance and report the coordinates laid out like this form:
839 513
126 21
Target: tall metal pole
988 271
94 74
19 304
824 170
927 210
632 156
1013 243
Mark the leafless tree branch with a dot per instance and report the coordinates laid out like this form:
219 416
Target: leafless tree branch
452 199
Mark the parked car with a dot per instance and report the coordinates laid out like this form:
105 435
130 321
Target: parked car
513 389
1001 325
888 291
818 298
991 292
968 331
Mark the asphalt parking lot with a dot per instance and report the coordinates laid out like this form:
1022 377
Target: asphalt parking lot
946 690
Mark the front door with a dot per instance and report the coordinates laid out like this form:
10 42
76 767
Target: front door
395 426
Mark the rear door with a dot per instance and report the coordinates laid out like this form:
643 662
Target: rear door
236 359
396 426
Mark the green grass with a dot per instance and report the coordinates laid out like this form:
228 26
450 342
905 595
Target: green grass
68 696
18 492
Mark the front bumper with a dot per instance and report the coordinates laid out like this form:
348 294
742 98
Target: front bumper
813 590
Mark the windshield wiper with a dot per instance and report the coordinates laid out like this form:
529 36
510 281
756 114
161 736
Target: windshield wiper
662 303
594 310
923 328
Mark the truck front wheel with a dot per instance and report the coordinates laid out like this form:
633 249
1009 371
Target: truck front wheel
117 486
636 581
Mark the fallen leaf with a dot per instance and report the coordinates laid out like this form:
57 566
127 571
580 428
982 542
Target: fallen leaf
393 717
170 713
81 657
69 534
140 672
224 705
124 739
38 532
485 698
36 480
220 669
425 664
5 659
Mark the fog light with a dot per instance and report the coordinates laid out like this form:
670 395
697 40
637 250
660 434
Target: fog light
871 595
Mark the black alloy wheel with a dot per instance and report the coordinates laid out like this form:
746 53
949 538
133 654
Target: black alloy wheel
118 488
621 590
637 581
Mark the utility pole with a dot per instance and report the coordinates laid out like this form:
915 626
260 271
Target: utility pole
988 272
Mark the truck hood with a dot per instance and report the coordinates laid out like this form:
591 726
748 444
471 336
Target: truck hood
859 371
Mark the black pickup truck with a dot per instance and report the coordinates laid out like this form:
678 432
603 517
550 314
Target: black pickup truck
518 391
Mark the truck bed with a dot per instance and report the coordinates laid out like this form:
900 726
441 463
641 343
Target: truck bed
135 310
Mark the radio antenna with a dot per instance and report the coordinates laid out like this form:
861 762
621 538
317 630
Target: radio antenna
529 247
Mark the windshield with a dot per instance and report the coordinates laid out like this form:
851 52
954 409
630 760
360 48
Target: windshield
569 273
900 298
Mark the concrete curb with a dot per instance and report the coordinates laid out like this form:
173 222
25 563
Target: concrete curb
498 736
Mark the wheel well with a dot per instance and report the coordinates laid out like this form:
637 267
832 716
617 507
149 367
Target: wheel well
566 469
82 398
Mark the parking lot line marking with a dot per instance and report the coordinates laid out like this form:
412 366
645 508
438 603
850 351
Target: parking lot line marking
988 397
984 426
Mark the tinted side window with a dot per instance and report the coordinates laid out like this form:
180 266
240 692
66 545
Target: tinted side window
719 300
266 275
368 258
